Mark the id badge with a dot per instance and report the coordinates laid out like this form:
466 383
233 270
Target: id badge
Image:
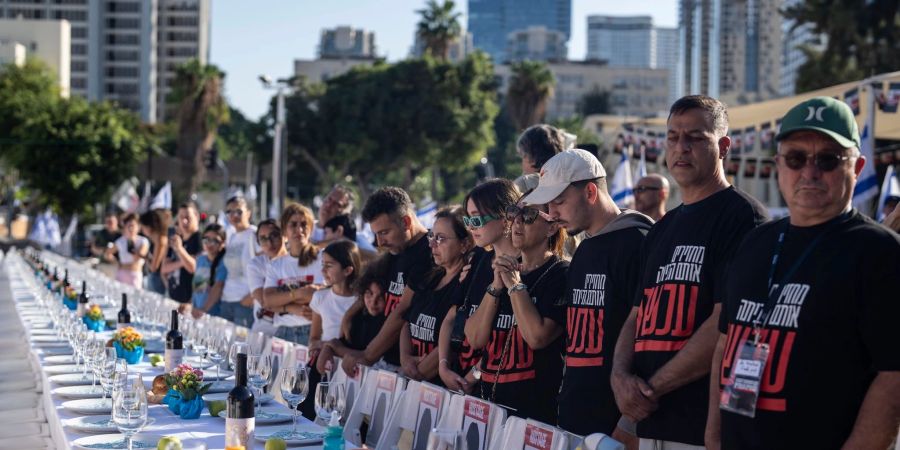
742 391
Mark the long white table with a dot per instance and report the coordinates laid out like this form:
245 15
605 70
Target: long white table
208 429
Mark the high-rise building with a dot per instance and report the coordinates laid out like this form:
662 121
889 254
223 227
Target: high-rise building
346 42
46 40
731 49
491 21
792 57
537 44
633 41
125 50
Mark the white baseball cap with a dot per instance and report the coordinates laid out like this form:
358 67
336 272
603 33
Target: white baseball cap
560 171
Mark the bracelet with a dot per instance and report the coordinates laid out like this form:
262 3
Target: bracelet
494 292
518 287
444 361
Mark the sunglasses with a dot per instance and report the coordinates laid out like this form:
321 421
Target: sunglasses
438 238
211 241
826 162
642 189
272 237
477 221
234 212
529 215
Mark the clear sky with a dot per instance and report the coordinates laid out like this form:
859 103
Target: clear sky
250 38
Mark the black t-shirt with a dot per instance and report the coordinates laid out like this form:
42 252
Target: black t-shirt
683 260
602 280
426 314
180 280
481 275
104 237
528 380
407 269
363 328
833 327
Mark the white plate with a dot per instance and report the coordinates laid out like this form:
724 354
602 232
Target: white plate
89 406
71 379
59 359
49 351
43 332
220 386
264 417
66 368
92 424
77 392
307 434
115 442
211 397
194 361
49 341
210 375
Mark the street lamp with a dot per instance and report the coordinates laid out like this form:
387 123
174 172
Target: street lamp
279 179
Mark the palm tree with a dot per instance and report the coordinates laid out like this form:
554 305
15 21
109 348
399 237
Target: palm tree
438 27
200 107
530 89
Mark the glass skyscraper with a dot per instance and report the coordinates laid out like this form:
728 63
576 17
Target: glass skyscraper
491 21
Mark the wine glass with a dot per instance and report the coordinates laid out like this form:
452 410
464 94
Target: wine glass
330 400
129 413
294 388
446 439
108 373
237 347
215 350
259 369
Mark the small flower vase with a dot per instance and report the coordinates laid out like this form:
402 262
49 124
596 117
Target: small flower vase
95 325
130 356
71 304
186 409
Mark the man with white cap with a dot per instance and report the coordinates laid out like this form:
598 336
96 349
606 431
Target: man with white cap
663 357
600 286
807 356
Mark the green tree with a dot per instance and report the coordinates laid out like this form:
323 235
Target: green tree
595 101
438 27
530 88
862 39
71 152
200 108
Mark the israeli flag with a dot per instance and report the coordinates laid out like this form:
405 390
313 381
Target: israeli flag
889 188
622 189
641 170
867 183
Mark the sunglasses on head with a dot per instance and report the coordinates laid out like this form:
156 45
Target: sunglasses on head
826 162
529 215
477 221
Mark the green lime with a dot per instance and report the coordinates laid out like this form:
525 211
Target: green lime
276 444
169 443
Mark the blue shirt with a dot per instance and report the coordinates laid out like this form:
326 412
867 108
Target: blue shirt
200 283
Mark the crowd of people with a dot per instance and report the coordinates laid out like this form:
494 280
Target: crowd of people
706 326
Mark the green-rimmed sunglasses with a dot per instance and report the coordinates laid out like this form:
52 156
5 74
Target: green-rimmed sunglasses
477 222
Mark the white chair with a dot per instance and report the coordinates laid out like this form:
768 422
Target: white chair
530 434
375 403
279 350
419 409
481 421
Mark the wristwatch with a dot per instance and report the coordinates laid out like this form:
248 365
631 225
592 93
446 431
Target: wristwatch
494 292
518 287
476 372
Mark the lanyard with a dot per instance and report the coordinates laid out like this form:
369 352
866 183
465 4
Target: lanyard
763 315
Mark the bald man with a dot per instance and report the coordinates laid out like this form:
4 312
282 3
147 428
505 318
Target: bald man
650 195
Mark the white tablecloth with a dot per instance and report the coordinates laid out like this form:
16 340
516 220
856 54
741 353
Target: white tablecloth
206 428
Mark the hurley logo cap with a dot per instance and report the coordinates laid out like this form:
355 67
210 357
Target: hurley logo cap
825 115
560 171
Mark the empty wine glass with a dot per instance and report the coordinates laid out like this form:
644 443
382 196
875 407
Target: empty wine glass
129 413
237 347
215 350
294 388
330 400
446 439
108 371
259 368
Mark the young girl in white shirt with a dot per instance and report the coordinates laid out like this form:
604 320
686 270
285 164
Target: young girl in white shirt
340 267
